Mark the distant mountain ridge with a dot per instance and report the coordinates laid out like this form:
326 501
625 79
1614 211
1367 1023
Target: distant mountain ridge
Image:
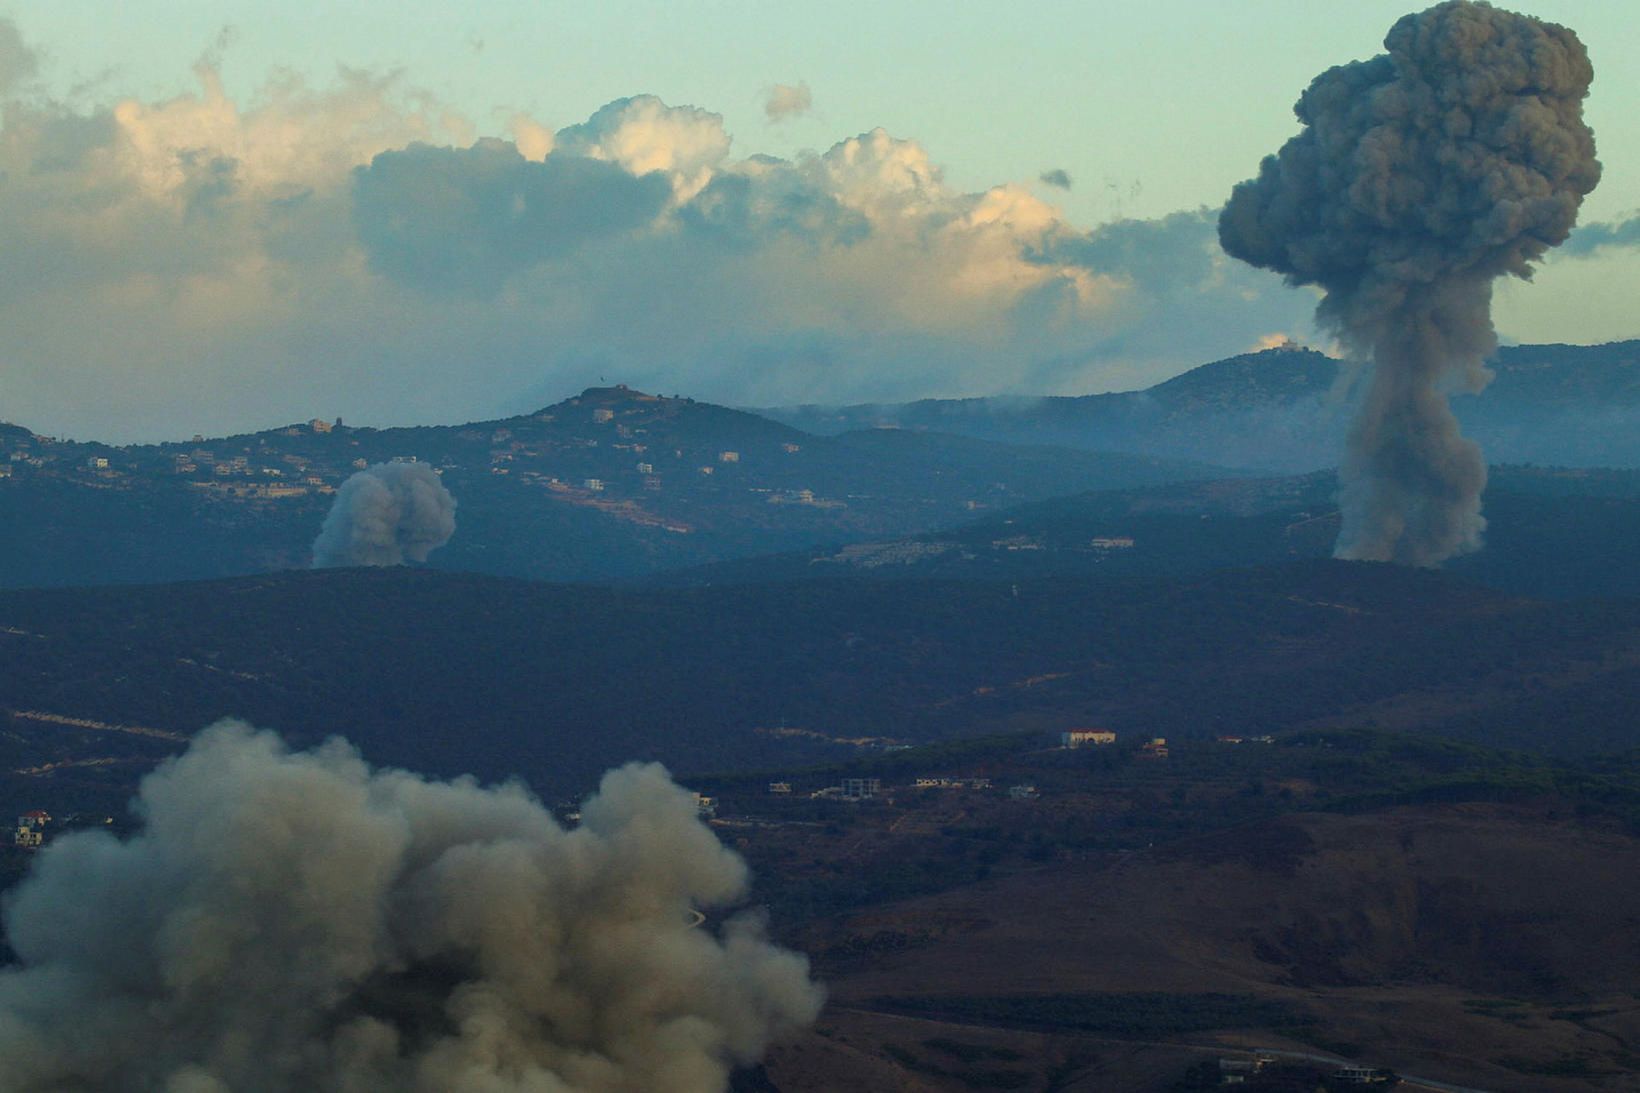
1286 410
617 484
610 484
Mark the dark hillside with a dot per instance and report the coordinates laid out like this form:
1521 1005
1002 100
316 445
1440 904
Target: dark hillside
613 483
452 673
1286 410
1552 532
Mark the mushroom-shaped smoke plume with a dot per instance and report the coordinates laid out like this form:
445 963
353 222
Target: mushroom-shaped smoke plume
298 921
1419 177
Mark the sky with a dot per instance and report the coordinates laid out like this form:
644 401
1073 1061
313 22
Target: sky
227 216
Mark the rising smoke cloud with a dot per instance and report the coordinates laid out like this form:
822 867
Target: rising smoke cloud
298 921
385 514
1421 176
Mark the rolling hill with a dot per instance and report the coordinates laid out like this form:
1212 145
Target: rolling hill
1285 410
611 484
454 673
1561 532
1484 945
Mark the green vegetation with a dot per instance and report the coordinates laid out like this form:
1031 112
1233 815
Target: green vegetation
1406 770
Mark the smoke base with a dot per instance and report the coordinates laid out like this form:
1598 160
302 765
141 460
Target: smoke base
1420 176
297 921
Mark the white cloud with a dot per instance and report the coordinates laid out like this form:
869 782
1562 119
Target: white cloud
643 134
201 264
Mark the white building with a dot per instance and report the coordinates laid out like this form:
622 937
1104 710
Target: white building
861 789
30 831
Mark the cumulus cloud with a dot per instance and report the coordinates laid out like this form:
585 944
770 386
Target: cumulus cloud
298 921
354 249
1058 178
787 101
1590 239
464 219
384 515
642 134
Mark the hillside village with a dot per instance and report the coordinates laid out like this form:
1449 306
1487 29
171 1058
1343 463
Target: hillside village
611 483
611 441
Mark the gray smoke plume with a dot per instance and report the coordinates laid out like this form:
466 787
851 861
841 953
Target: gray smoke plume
1419 177
299 922
385 514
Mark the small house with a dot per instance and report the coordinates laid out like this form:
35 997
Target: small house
30 831
861 789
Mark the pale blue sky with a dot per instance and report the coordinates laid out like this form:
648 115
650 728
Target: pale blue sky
1150 106
189 262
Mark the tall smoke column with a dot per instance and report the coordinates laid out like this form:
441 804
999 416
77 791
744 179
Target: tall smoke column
1419 177
385 514
292 922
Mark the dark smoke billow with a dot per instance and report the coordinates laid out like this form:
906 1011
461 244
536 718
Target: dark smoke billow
1419 177
384 515
299 922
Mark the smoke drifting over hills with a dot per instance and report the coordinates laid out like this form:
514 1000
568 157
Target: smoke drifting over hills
297 921
385 514
1420 176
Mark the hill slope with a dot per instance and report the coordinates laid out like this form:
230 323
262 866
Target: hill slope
574 679
1480 944
1286 410
1551 532
613 483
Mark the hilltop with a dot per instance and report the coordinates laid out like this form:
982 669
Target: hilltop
618 484
1286 410
612 483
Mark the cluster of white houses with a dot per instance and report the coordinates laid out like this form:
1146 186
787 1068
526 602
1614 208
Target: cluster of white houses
1154 748
865 789
31 829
